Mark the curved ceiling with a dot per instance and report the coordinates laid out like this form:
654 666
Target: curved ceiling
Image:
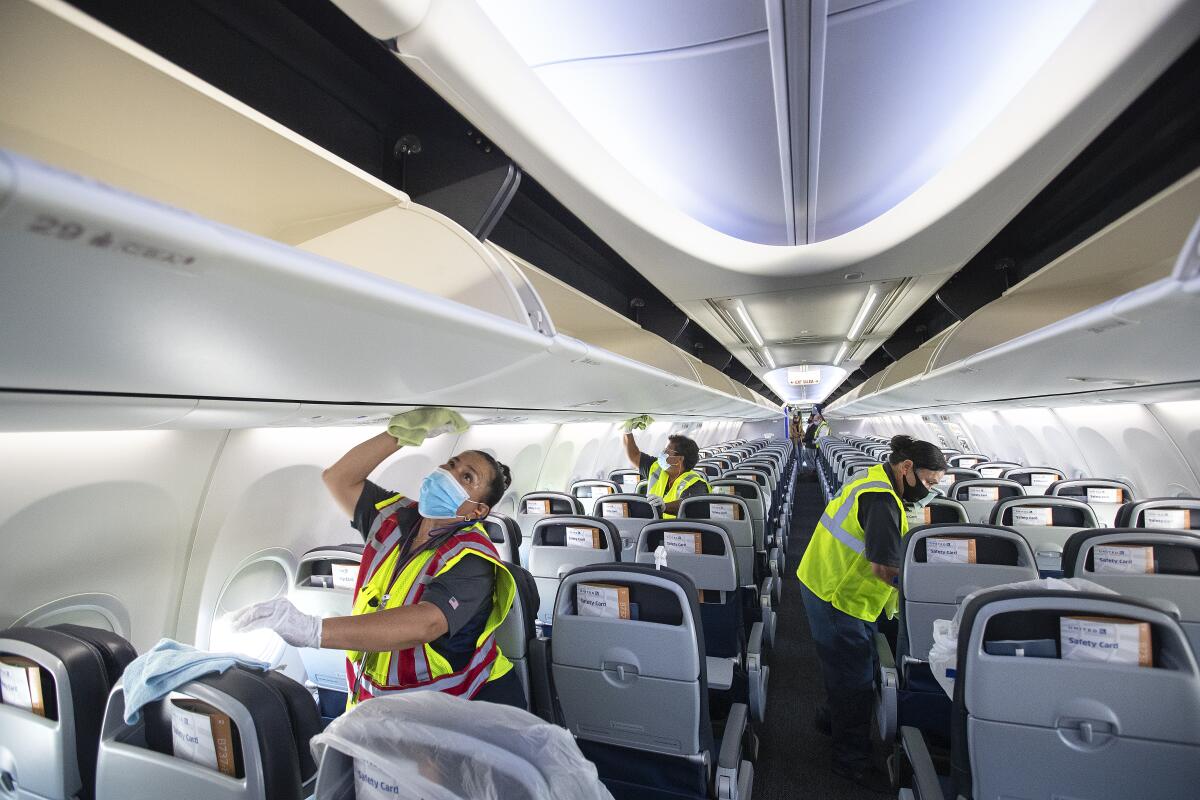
766 126
890 139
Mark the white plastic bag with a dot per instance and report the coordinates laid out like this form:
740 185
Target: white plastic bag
943 656
432 746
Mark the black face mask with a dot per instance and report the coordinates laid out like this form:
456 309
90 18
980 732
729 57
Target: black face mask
913 492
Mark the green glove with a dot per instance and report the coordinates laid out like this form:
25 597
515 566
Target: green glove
638 423
413 427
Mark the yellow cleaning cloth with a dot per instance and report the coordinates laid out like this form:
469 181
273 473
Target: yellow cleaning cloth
639 423
413 427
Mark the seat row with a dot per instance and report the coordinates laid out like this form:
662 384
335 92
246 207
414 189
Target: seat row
686 636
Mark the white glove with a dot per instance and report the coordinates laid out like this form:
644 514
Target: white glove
656 502
293 625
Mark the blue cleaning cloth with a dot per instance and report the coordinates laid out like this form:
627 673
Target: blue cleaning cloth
168 665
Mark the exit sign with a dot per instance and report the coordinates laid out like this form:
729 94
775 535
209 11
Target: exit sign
803 377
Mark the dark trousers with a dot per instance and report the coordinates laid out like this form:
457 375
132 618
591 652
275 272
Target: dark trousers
845 646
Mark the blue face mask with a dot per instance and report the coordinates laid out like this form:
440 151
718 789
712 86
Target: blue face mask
663 464
441 495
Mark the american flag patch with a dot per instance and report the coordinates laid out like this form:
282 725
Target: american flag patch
454 603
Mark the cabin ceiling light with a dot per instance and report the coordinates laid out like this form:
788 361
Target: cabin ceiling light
767 355
747 324
841 353
864 314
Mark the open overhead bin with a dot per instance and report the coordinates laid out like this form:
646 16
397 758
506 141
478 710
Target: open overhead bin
1111 313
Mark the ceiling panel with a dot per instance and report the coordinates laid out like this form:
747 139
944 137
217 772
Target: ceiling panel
907 85
545 31
811 353
697 125
825 312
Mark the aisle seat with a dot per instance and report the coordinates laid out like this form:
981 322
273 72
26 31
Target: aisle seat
979 495
1036 480
1104 495
537 505
563 543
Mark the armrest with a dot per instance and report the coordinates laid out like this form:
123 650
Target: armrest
754 647
884 650
542 695
925 777
731 740
764 594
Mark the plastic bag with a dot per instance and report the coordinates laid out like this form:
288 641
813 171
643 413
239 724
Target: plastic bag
943 656
433 746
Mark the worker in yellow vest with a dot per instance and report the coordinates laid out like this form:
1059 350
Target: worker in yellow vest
670 478
848 578
431 589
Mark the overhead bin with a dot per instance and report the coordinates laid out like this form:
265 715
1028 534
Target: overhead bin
1110 314
109 293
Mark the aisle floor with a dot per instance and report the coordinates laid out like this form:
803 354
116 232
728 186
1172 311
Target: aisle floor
793 759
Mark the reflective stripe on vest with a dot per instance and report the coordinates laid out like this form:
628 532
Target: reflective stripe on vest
423 668
656 484
835 567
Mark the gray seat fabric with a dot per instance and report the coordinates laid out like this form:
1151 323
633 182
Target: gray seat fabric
1066 516
1075 729
505 533
550 557
518 628
939 510
1036 480
979 509
637 514
995 469
587 491
1174 584
634 692
557 502
626 479
1104 495
1143 513
741 531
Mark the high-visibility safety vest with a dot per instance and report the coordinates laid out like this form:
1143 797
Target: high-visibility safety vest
835 567
822 430
657 480
422 668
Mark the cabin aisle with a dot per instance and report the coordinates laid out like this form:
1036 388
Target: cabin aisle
793 758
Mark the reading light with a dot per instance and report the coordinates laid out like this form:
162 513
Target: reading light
748 325
841 353
863 314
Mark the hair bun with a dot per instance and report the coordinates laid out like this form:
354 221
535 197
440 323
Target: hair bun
900 442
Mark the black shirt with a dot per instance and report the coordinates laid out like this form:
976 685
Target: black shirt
463 593
646 461
879 516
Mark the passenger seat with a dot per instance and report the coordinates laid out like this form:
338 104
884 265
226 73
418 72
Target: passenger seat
635 693
1104 495
629 513
1166 513
979 495
1046 523
536 505
589 490
272 720
563 543
1159 566
53 756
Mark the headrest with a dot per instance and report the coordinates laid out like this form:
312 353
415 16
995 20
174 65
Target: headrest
985 489
1175 513
1040 510
576 530
1174 552
549 503
621 506
988 544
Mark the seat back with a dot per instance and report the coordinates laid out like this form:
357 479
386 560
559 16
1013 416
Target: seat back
1046 523
537 505
709 469
939 510
704 553
1167 574
563 543
1094 729
52 754
955 474
638 683
967 460
979 495
518 628
324 587
732 514
1036 480
272 718
629 513
1104 495
945 563
588 490
995 469
626 479
752 494
1166 513
505 533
